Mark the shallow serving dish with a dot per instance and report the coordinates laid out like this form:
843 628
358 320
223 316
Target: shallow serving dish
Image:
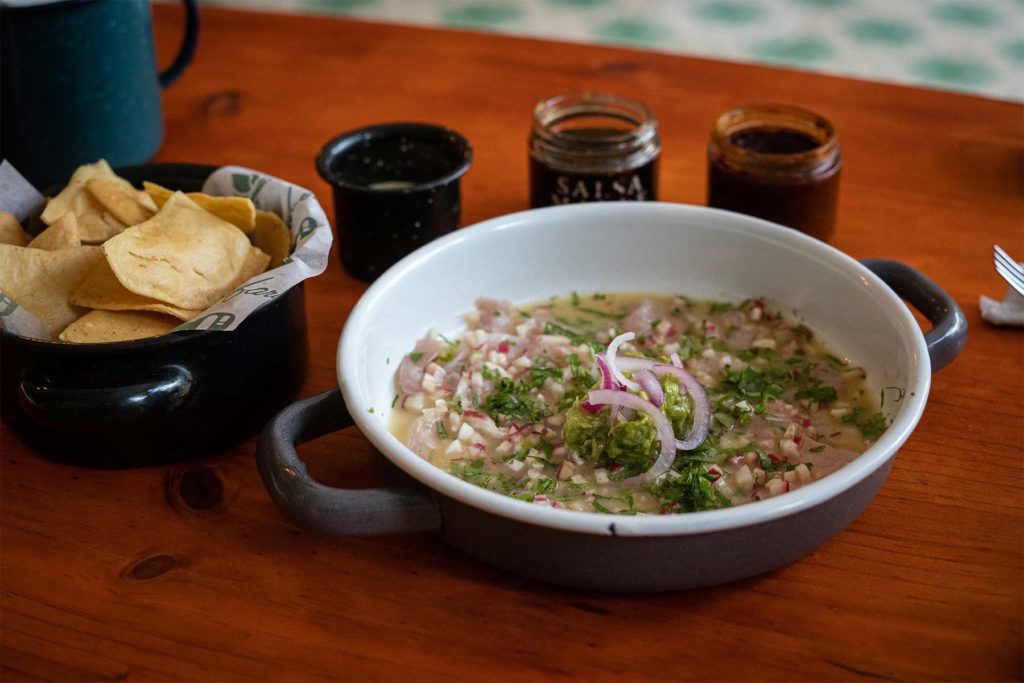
615 247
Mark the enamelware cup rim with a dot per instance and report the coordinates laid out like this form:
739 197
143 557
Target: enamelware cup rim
804 498
333 147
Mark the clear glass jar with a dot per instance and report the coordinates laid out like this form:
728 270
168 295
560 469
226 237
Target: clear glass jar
776 162
588 147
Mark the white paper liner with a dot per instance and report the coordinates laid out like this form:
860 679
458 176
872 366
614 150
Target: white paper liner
298 207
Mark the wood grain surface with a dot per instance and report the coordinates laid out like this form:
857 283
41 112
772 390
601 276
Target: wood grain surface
188 572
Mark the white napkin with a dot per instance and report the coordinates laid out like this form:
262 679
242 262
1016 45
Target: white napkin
1009 311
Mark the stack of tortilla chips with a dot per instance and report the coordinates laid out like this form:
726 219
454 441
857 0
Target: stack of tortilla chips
117 263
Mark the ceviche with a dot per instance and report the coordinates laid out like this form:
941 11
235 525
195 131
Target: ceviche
633 404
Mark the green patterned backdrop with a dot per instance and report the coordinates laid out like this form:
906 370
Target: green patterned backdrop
975 46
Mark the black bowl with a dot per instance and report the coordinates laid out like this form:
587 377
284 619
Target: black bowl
159 400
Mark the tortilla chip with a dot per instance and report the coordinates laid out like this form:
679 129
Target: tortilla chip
61 235
42 281
102 290
114 326
239 211
272 236
11 231
124 202
95 224
184 256
256 261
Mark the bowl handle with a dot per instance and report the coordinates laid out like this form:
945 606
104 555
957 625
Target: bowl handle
348 512
948 335
97 410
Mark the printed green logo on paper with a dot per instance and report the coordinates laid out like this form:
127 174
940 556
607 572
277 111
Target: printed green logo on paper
291 206
242 182
307 226
7 305
249 184
218 321
254 289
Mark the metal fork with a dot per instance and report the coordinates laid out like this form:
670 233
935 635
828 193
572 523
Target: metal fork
1011 271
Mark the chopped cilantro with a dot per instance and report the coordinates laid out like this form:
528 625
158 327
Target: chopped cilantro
803 332
542 369
688 347
542 486
871 426
721 307
450 350
574 337
689 490
756 387
511 400
601 314
725 419
819 394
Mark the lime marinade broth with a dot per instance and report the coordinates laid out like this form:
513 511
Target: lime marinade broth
756 405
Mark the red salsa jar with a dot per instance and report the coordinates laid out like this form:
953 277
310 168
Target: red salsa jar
589 147
779 163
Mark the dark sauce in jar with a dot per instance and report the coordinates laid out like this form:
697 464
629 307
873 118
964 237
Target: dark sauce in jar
774 141
777 163
589 147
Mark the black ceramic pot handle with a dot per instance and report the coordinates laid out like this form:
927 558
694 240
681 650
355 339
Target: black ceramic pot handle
307 502
948 335
107 408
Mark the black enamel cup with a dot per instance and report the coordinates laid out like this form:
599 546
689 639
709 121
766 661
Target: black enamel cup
395 187
158 400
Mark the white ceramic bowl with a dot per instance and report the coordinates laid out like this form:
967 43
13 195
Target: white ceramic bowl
619 247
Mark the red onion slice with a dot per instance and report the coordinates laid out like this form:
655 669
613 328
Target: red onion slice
606 373
666 437
701 404
613 349
606 383
650 384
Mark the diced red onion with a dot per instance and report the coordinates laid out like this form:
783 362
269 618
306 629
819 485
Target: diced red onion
701 404
613 349
676 360
649 381
666 438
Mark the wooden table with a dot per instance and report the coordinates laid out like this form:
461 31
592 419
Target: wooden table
113 575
